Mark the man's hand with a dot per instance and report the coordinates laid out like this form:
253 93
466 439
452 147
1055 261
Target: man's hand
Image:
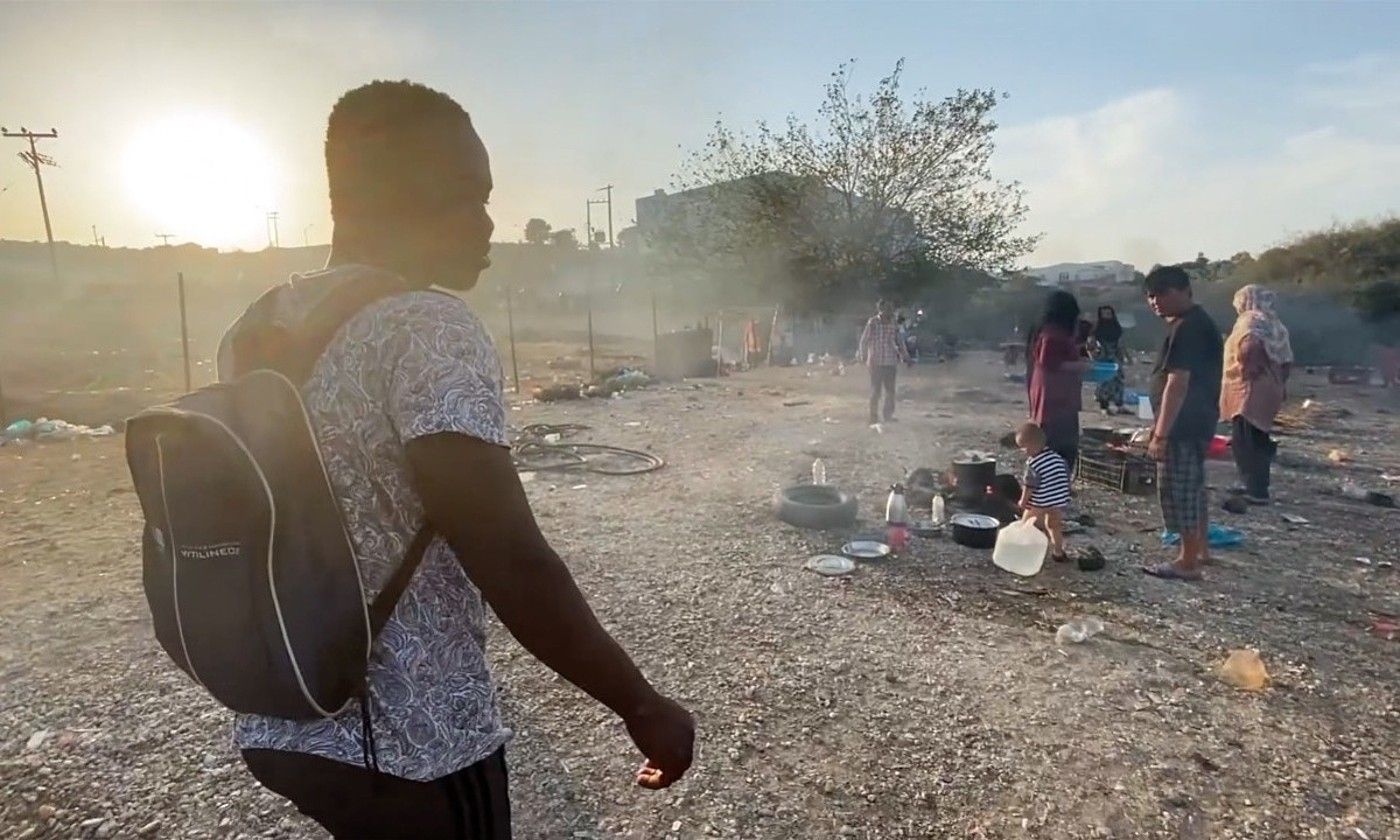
1157 447
665 733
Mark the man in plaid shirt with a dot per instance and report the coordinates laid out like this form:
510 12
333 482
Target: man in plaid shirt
881 350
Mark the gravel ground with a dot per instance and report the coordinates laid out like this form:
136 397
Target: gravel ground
920 697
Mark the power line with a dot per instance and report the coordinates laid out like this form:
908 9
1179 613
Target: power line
36 161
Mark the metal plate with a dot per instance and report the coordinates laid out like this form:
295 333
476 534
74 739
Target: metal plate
975 520
866 550
831 565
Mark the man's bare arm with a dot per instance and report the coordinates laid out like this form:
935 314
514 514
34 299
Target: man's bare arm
473 498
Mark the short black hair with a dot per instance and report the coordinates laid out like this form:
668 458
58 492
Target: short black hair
1165 278
369 144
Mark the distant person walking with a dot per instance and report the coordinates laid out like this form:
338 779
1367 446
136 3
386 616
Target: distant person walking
881 350
1258 360
1106 345
1056 374
1186 402
407 409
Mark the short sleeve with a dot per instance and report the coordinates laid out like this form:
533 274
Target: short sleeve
1053 350
1189 347
1031 479
444 373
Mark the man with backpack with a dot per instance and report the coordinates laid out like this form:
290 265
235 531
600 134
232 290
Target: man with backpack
401 386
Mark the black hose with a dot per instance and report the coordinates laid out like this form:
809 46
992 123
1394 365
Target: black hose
532 453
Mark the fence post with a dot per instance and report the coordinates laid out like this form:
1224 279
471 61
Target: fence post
510 329
184 332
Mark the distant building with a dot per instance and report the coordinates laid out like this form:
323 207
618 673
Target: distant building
730 210
1104 274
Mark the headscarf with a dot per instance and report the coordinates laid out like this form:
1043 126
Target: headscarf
1108 329
1255 305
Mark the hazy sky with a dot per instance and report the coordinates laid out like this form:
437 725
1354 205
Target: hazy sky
1144 132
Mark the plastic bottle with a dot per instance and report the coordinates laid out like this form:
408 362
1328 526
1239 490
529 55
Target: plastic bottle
937 510
1078 630
819 471
897 519
1020 549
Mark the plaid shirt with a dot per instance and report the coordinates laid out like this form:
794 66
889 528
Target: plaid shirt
880 345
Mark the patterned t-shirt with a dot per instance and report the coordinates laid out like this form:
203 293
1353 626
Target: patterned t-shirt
406 367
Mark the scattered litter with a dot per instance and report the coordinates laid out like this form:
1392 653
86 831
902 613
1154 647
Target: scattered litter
1244 669
878 427
558 393
1235 504
45 429
632 424
579 487
796 403
1364 561
527 477
1339 456
37 740
830 565
1372 497
1090 559
1294 519
1385 627
1217 536
1390 477
1078 631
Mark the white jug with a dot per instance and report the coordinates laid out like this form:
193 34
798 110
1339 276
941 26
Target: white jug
1020 548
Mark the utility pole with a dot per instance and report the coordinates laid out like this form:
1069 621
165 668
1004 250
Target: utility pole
36 161
96 240
608 189
591 202
165 238
273 241
306 235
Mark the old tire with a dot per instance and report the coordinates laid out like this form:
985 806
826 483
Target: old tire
816 506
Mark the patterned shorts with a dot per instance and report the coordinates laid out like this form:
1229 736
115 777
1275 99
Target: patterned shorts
1181 485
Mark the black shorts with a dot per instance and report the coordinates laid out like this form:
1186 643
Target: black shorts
352 802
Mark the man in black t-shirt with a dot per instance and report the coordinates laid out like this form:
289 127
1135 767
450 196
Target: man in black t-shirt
1186 403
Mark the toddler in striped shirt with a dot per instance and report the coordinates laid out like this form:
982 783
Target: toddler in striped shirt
1045 493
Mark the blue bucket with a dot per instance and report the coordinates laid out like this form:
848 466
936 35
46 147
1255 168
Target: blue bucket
1102 372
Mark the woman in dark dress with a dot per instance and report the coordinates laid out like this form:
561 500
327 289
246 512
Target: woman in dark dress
1106 345
1056 373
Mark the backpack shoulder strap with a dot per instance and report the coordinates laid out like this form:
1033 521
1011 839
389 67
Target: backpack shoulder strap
388 598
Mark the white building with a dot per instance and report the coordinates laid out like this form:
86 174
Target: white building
1106 273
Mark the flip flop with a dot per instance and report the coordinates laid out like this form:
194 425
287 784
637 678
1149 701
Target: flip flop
1169 571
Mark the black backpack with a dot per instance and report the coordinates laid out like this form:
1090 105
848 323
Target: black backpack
249 571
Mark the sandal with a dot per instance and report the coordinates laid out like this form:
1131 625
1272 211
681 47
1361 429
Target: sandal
1170 571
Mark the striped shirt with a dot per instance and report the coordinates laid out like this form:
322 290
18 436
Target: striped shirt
880 344
1047 476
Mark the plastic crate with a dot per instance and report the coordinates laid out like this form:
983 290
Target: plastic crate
1122 471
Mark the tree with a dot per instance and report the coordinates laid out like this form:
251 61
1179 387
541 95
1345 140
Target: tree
537 231
564 238
842 207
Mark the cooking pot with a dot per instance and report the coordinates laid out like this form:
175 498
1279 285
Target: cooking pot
972 477
974 530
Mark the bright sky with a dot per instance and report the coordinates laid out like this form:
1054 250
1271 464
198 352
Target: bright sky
1144 132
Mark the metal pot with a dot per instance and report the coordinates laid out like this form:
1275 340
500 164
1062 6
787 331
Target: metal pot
973 477
974 530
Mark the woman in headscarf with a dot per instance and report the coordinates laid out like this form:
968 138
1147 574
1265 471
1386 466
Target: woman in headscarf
1055 375
1106 345
1258 359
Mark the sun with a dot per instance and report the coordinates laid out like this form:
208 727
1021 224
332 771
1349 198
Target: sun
202 178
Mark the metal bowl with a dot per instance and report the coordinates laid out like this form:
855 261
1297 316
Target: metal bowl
866 550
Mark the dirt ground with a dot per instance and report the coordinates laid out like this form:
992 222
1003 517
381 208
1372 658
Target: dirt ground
920 697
